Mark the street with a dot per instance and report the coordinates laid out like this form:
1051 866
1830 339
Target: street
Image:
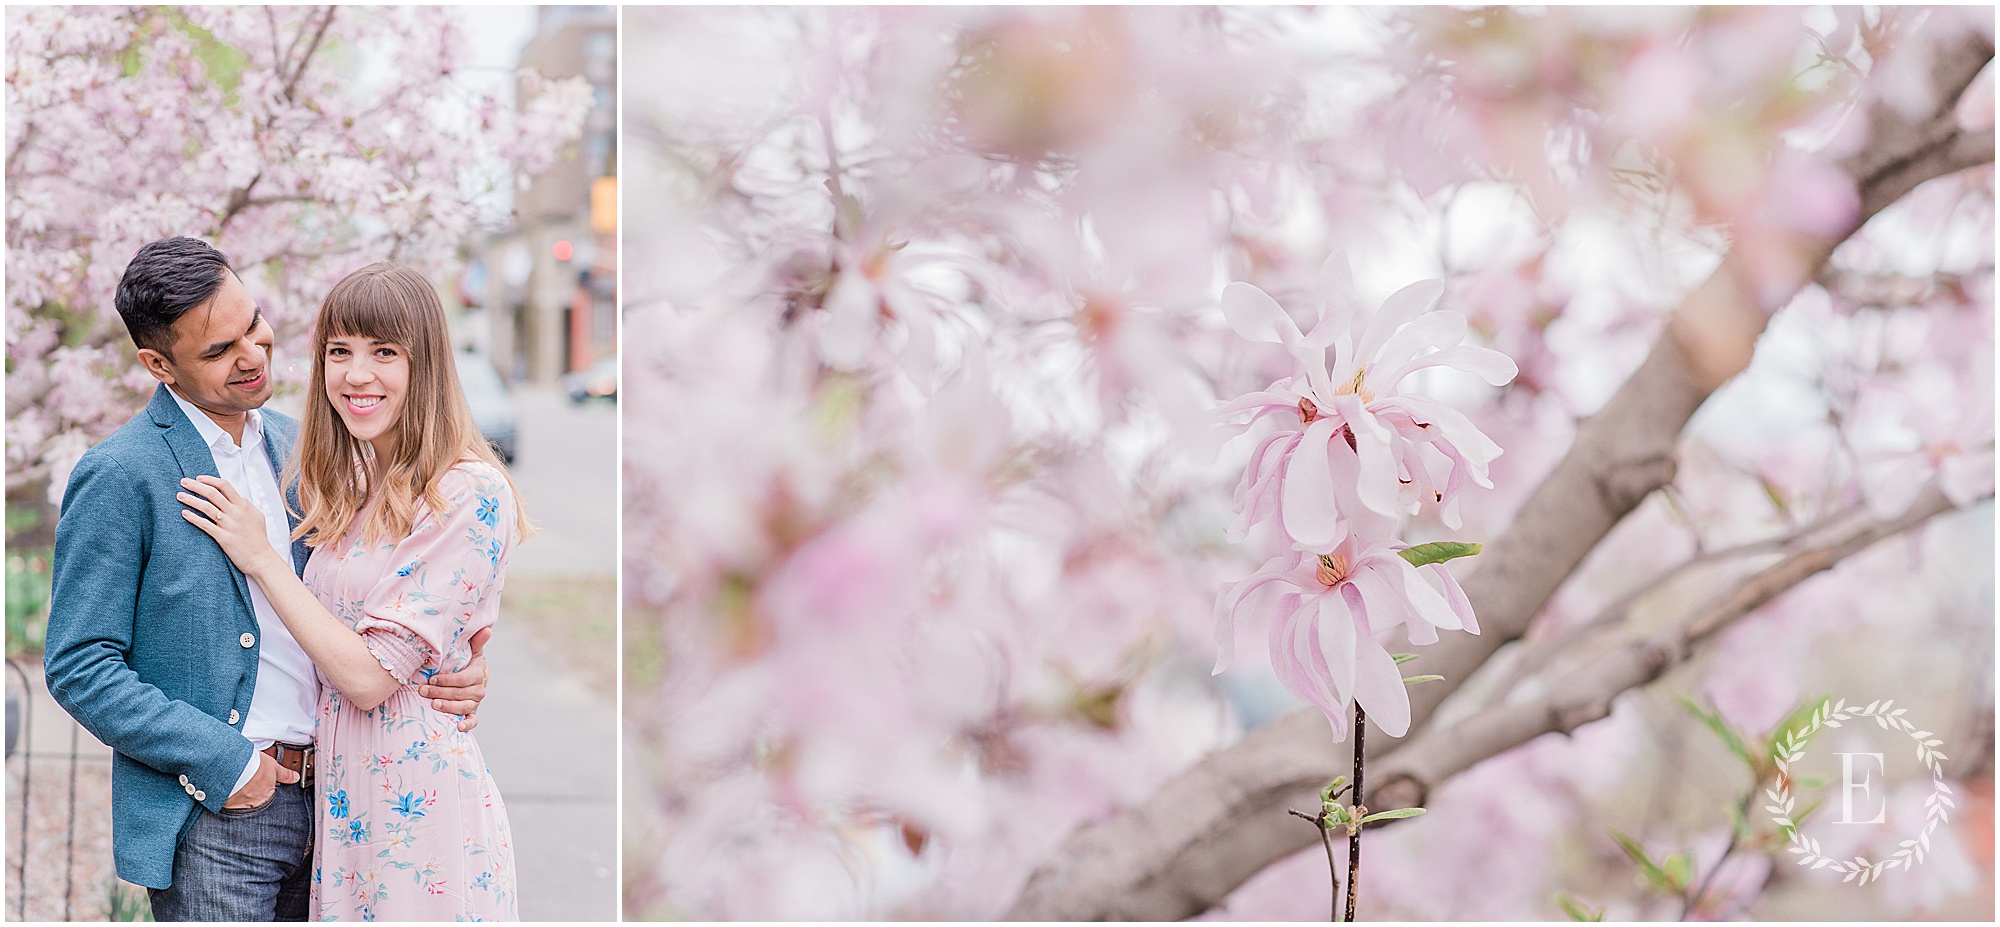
567 470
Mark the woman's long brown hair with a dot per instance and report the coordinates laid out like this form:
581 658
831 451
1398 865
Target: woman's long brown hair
337 474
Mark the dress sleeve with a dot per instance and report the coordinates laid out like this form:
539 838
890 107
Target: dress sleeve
418 614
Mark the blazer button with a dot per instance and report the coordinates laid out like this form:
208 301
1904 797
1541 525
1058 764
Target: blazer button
233 716
248 640
200 795
184 780
189 789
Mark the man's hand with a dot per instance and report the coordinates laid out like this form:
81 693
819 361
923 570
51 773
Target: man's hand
263 783
460 693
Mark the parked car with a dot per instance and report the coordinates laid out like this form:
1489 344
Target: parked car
598 382
492 406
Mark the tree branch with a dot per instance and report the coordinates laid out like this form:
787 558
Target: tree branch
1214 826
325 23
1590 684
1554 646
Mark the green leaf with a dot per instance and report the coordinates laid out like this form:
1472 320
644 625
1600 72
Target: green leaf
1326 794
1777 498
1391 815
1413 680
1654 875
1575 909
1679 870
1721 728
1809 782
1402 658
1439 552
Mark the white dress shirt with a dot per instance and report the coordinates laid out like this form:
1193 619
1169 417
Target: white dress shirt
281 708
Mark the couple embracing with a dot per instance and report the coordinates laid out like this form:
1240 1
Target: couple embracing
276 624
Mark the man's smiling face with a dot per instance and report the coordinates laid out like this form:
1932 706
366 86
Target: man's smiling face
221 355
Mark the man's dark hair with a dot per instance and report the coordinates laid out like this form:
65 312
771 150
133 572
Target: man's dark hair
166 279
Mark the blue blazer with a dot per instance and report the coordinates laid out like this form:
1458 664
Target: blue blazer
152 644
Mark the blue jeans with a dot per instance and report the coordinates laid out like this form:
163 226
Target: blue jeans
249 865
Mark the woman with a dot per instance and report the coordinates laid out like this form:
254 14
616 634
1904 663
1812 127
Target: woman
410 519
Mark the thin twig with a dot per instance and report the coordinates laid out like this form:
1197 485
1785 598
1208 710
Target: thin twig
1354 829
1332 870
1735 836
325 22
1547 649
1333 904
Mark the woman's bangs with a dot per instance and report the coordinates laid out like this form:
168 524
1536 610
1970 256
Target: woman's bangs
368 307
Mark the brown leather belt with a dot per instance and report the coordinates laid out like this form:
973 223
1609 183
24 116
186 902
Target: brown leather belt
295 758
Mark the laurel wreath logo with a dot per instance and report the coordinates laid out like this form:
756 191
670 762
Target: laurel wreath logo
1937 806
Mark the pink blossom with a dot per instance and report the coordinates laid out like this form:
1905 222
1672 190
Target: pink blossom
1910 439
1384 432
1323 646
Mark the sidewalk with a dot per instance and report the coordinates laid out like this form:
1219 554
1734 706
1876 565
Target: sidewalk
553 745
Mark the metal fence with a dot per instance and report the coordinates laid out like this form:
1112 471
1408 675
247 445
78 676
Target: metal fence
48 778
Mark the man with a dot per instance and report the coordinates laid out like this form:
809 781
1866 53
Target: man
160 647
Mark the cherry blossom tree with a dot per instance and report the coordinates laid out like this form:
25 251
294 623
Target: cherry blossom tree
301 141
935 322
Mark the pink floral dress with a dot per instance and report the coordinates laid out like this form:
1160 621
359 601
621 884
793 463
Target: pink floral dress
410 824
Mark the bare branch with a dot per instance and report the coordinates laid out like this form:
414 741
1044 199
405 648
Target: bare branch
1589 686
1212 827
325 23
1555 645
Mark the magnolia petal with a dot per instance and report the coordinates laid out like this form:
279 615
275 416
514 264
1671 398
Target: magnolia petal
1261 402
1263 464
1471 443
1257 494
1337 639
1355 518
1495 368
1426 602
1296 660
1378 687
1338 303
1378 484
1415 467
1454 595
1287 649
1387 602
1384 596
1420 633
1310 511
1448 513
1401 306
1256 316
1231 601
1267 462
1444 328
1285 653
1319 689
